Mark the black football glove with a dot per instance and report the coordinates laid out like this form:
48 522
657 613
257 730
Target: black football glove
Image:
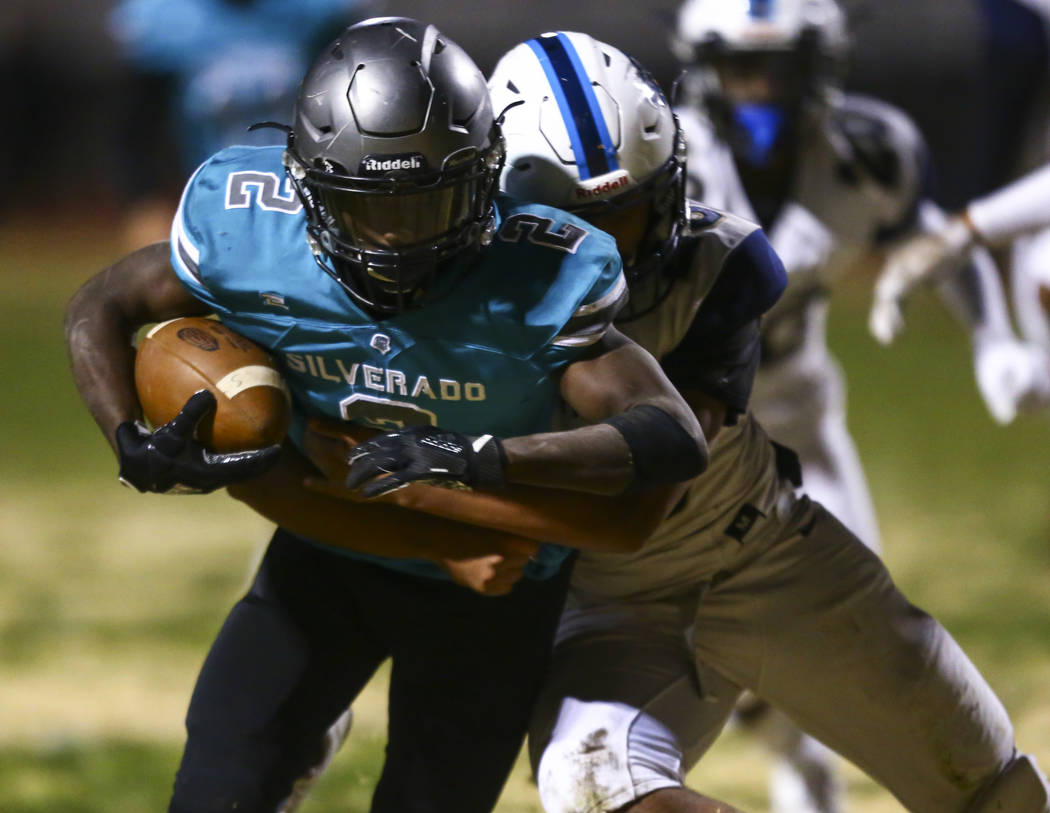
170 461
427 454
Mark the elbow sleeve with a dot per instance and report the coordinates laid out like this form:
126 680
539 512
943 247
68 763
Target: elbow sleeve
662 451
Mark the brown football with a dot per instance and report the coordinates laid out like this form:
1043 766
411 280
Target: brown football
177 358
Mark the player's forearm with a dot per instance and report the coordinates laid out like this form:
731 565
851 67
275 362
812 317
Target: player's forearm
640 432
366 527
593 459
543 514
101 320
585 521
98 340
589 522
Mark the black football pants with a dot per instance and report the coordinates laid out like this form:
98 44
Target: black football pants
312 630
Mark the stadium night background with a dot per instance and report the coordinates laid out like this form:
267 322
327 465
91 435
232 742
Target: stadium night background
109 599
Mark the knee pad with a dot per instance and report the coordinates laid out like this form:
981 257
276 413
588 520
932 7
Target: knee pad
1020 788
603 756
580 777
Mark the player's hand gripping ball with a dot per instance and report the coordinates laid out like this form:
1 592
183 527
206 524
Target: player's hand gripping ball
170 460
218 404
178 358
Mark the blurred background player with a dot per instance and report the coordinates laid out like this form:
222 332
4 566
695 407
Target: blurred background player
1005 122
206 70
1017 213
744 585
372 256
833 178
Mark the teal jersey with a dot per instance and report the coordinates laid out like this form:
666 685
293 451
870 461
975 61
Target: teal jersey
481 358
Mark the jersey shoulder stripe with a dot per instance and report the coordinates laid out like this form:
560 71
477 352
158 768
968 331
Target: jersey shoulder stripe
185 252
591 321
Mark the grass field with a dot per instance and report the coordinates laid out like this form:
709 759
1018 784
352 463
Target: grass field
109 599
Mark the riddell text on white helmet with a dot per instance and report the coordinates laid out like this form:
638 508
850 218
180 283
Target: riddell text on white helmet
603 190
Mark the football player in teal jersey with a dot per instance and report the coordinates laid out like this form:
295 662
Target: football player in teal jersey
373 257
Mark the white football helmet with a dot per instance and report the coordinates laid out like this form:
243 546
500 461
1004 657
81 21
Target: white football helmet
759 25
758 66
588 130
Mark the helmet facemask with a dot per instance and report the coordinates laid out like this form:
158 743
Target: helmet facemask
385 238
759 99
762 71
394 193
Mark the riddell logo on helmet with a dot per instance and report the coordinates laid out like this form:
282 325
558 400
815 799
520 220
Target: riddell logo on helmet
378 164
605 188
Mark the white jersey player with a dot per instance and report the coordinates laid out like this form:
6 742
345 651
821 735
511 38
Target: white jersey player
831 177
1019 214
745 585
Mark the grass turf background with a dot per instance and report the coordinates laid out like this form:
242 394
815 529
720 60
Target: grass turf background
109 599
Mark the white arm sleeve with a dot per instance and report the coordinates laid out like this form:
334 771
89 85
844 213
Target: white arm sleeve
1013 210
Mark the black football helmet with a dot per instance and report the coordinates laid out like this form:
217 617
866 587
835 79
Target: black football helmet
396 156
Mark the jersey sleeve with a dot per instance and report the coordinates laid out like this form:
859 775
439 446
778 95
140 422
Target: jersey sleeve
188 241
719 354
584 287
593 317
1016 209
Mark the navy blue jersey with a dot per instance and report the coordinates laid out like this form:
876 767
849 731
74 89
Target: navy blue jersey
484 358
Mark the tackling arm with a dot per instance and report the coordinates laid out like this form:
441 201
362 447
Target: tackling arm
585 521
279 496
623 446
647 437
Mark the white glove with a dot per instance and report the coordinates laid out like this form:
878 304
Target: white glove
917 260
1011 376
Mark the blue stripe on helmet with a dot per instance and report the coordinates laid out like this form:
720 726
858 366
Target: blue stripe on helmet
591 145
761 9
